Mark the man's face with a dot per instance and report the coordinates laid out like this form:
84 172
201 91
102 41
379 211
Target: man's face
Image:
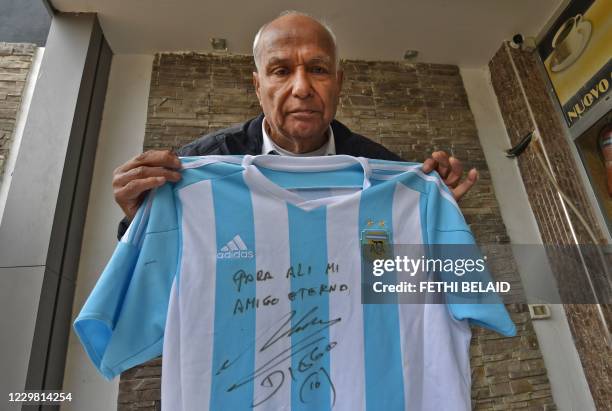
298 83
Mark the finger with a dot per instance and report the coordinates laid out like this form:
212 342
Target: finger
143 172
429 165
132 190
466 185
456 171
152 158
443 164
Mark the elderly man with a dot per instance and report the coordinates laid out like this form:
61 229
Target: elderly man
298 83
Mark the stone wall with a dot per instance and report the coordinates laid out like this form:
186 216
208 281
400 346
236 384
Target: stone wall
15 63
413 109
584 322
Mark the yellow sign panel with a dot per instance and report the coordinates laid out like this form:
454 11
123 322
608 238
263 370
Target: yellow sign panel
577 55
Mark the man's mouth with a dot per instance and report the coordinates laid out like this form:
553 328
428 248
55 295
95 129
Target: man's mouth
303 112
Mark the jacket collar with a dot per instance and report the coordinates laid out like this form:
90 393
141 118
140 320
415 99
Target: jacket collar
248 139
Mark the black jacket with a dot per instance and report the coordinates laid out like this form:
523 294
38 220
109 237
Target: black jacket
247 138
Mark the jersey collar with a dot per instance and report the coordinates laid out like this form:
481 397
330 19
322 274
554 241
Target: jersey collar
256 180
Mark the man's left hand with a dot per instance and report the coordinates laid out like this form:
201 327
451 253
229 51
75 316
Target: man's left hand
451 171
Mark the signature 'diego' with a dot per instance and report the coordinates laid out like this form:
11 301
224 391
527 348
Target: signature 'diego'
301 361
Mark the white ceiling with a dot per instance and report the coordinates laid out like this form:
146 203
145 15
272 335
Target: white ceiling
462 32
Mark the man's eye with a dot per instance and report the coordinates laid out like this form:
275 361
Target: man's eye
318 70
281 71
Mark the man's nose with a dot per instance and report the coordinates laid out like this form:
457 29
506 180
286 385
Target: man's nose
302 87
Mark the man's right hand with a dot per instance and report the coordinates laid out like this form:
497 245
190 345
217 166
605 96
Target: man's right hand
148 170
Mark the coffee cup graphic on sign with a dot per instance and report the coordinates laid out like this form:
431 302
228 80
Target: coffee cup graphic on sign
569 42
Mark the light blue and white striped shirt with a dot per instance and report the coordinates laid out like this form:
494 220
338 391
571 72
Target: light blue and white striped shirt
247 274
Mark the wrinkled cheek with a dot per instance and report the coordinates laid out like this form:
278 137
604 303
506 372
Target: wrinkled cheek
279 119
278 112
270 108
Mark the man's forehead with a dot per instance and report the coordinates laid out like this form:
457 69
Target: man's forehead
308 56
284 39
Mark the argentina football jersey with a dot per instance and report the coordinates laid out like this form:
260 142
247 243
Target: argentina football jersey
247 275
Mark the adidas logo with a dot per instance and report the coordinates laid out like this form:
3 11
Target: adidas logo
235 248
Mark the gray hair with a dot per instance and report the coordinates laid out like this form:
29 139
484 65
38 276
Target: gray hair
256 42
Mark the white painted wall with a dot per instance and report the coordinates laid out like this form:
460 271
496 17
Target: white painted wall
121 137
569 387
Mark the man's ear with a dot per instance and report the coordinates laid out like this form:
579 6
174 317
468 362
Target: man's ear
340 78
256 84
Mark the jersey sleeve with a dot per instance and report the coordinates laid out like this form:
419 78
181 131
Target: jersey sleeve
452 238
122 322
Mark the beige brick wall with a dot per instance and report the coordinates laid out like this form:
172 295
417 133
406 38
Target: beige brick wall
15 63
413 109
